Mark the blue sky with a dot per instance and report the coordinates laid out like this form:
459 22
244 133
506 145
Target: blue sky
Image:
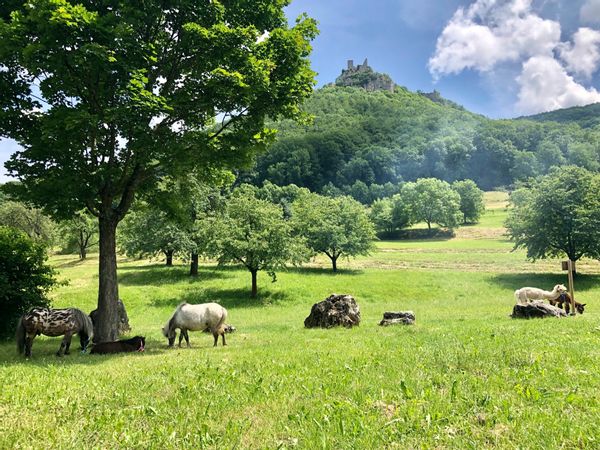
499 58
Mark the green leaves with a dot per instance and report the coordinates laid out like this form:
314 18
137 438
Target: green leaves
558 215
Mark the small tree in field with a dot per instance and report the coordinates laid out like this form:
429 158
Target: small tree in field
254 233
107 98
334 226
25 278
558 215
32 221
80 232
148 231
432 201
471 200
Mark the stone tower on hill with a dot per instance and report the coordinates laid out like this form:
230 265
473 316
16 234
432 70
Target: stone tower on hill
363 76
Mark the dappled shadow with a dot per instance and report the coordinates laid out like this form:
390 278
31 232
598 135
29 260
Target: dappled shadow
44 353
546 281
418 234
229 298
71 263
322 271
160 274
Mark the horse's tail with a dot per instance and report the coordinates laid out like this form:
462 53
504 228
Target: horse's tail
222 320
85 323
20 335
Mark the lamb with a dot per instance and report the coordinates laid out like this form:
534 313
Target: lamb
527 294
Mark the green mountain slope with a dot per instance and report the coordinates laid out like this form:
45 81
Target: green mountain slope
584 116
380 137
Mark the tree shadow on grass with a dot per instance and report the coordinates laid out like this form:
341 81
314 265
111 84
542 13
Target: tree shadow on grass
44 353
514 281
160 275
326 271
71 263
228 298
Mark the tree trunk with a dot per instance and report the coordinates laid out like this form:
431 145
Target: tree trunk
254 284
107 329
334 263
82 246
194 265
169 254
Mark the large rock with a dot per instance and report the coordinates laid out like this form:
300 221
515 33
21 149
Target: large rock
337 309
398 318
535 309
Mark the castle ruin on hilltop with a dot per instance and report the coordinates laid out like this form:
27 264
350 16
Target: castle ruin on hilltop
365 77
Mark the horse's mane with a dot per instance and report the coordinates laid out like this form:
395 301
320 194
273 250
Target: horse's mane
84 321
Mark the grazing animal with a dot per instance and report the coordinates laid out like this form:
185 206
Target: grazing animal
200 317
527 294
565 299
54 322
135 344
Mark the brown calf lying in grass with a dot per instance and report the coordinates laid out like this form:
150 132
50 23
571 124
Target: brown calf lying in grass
565 299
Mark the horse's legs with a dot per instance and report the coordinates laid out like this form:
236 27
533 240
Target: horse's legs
567 307
223 336
64 345
183 334
28 344
84 341
187 338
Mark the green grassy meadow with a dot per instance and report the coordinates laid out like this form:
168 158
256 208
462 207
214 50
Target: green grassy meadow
465 376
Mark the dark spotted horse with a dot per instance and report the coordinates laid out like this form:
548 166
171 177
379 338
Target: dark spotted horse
54 322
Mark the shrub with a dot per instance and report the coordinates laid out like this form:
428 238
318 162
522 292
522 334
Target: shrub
25 279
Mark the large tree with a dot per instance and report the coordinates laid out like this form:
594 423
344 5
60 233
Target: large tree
106 97
334 226
558 215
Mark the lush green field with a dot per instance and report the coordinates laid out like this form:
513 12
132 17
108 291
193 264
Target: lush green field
465 376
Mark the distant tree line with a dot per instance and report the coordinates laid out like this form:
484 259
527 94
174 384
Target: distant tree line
362 143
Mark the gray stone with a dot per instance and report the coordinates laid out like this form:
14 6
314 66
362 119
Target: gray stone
335 310
536 309
398 318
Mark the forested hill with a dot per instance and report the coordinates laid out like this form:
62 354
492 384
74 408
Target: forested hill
362 138
585 116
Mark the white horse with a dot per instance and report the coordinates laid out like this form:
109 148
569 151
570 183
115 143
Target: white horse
200 317
527 294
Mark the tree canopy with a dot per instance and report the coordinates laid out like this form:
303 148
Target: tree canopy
107 98
431 201
334 226
559 214
254 233
26 278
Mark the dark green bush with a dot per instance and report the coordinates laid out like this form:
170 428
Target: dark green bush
25 279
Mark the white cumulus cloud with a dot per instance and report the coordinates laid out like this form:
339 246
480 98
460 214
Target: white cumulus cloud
490 35
545 86
583 56
490 32
590 11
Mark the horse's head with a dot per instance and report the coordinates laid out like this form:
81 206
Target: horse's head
168 331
